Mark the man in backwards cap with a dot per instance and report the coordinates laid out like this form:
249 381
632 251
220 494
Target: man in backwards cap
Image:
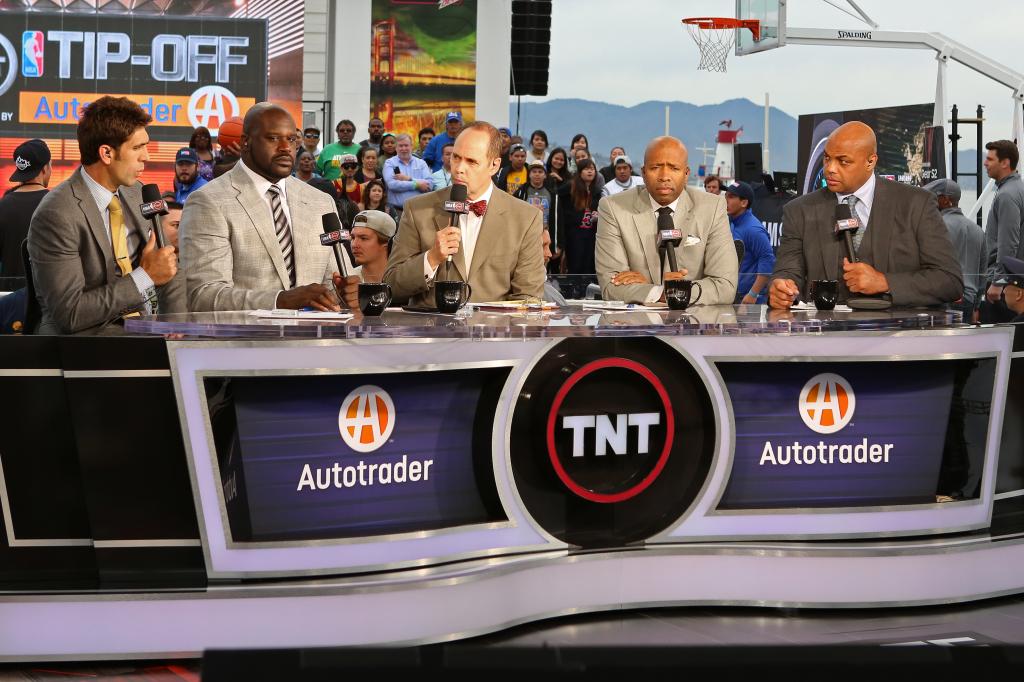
32 173
372 233
1012 284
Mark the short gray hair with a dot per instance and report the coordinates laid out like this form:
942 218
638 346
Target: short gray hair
401 136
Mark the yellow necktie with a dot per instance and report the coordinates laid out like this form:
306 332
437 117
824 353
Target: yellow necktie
119 236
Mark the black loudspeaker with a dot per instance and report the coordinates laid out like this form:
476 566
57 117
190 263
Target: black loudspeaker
747 162
531 46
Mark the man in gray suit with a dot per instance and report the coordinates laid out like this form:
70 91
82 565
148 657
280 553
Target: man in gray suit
251 237
94 259
903 250
629 267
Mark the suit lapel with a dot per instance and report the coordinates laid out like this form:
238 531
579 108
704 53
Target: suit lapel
87 204
490 230
878 236
304 249
683 221
259 214
831 249
646 226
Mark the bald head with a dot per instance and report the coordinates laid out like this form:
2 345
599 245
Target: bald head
665 169
269 141
850 157
260 112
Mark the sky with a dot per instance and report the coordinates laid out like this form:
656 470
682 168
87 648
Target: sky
627 53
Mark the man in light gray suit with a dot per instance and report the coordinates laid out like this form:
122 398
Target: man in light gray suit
903 252
629 267
250 239
94 259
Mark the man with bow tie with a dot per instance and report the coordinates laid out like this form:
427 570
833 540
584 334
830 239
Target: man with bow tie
497 246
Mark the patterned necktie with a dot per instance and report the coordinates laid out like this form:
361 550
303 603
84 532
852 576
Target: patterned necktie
851 201
119 236
478 207
283 231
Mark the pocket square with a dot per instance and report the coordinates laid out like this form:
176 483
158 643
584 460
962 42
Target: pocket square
691 240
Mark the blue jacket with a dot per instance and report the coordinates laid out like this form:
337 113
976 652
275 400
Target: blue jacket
758 257
432 154
181 192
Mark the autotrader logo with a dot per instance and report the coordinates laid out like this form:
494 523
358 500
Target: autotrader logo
210 106
827 403
8 64
366 418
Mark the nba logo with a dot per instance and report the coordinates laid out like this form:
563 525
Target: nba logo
32 54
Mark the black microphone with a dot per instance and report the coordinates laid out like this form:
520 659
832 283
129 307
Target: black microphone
668 239
456 206
334 233
153 206
847 225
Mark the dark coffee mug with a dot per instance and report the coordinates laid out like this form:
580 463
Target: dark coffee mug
374 297
677 293
824 293
450 295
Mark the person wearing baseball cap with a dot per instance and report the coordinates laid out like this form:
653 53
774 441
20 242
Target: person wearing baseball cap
372 235
623 178
32 172
511 178
186 174
433 153
968 243
758 257
1012 283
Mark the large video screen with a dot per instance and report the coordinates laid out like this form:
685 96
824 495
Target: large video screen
910 150
185 70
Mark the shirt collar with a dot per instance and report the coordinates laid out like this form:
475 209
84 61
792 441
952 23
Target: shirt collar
100 194
1002 182
486 196
655 205
866 193
262 184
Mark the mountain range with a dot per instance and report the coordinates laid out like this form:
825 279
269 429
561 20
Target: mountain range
608 125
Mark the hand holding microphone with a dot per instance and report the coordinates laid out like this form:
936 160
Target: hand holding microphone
446 242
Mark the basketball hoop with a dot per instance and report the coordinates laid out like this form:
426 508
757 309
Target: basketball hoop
715 37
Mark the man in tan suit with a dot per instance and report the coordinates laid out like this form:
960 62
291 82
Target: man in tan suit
497 246
251 237
629 266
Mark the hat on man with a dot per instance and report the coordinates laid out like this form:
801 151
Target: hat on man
516 148
742 190
378 221
1014 271
186 155
622 158
944 188
453 116
29 158
348 158
507 131
537 163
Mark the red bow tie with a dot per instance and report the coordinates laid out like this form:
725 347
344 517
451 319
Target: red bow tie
478 207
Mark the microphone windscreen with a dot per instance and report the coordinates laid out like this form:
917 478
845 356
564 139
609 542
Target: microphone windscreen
331 222
458 193
150 193
843 211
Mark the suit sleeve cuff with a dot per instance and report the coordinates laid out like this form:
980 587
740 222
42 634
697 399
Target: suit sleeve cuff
654 295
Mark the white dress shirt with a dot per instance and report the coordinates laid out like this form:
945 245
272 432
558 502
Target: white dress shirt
654 295
262 185
866 194
469 224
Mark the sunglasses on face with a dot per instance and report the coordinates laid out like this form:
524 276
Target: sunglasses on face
312 135
349 165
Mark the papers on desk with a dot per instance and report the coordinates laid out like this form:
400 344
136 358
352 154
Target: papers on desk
515 306
616 306
283 314
804 305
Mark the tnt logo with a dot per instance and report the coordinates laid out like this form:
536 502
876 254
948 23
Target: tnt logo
210 106
608 434
366 418
827 403
32 54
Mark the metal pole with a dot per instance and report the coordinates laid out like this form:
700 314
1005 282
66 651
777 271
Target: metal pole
953 139
981 145
666 120
765 153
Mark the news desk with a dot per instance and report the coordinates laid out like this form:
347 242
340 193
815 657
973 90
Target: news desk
224 480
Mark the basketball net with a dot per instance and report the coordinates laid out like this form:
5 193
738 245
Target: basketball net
715 38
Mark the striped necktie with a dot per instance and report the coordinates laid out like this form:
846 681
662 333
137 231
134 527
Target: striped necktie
858 236
283 230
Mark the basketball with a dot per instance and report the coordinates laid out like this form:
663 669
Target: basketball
230 132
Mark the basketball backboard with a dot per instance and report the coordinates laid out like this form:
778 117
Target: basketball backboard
772 15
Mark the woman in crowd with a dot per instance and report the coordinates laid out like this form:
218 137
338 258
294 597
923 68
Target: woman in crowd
538 147
577 220
579 141
558 170
305 168
388 148
367 158
375 198
203 144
